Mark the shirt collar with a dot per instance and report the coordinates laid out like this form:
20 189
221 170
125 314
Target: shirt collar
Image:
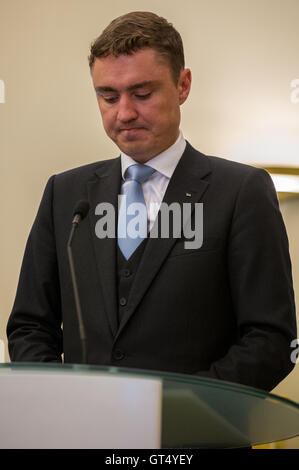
164 163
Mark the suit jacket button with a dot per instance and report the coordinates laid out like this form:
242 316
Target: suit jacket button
118 355
123 301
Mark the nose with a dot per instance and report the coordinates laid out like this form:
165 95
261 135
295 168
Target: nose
126 109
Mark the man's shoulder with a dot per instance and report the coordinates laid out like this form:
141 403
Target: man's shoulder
224 166
85 172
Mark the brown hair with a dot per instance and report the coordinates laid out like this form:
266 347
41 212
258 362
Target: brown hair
139 30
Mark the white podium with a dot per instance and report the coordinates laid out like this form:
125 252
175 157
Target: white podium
64 406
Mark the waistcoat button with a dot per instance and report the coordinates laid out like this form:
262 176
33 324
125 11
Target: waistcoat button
118 355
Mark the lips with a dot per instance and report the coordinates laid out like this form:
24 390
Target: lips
131 133
131 128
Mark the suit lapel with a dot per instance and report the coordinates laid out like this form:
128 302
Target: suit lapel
104 187
187 179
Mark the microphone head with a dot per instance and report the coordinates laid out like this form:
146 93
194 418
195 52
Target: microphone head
81 208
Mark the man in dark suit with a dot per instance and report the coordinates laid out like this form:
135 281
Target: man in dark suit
224 309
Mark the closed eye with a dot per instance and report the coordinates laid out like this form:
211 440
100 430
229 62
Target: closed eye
113 99
142 96
108 99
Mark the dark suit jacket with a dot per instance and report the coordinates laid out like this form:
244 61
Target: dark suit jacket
225 310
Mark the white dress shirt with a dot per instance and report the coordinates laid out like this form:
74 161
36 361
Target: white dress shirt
155 187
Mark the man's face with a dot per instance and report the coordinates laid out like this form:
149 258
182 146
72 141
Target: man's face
139 102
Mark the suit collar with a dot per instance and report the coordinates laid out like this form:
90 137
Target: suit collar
191 169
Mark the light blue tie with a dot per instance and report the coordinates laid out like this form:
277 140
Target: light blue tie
131 233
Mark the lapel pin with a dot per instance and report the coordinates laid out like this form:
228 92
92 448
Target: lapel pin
188 194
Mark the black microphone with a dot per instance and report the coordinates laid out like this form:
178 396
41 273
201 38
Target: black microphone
79 213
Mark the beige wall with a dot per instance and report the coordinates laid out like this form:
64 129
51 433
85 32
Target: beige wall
243 55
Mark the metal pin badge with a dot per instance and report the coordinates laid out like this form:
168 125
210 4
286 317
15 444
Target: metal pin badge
188 194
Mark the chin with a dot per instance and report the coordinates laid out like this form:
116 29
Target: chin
138 152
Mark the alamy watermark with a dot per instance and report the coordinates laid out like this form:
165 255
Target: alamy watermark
173 221
295 353
2 92
295 92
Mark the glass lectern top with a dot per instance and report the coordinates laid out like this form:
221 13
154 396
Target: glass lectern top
198 411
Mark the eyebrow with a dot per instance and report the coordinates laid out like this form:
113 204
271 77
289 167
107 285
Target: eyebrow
136 86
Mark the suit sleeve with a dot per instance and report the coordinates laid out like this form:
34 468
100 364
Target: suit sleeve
34 326
259 270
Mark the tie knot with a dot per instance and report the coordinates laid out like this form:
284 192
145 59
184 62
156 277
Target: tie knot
139 172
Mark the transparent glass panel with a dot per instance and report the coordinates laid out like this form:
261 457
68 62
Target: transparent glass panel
200 412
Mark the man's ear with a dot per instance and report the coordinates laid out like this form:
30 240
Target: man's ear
184 85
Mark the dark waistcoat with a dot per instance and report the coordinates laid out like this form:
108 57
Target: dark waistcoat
126 271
